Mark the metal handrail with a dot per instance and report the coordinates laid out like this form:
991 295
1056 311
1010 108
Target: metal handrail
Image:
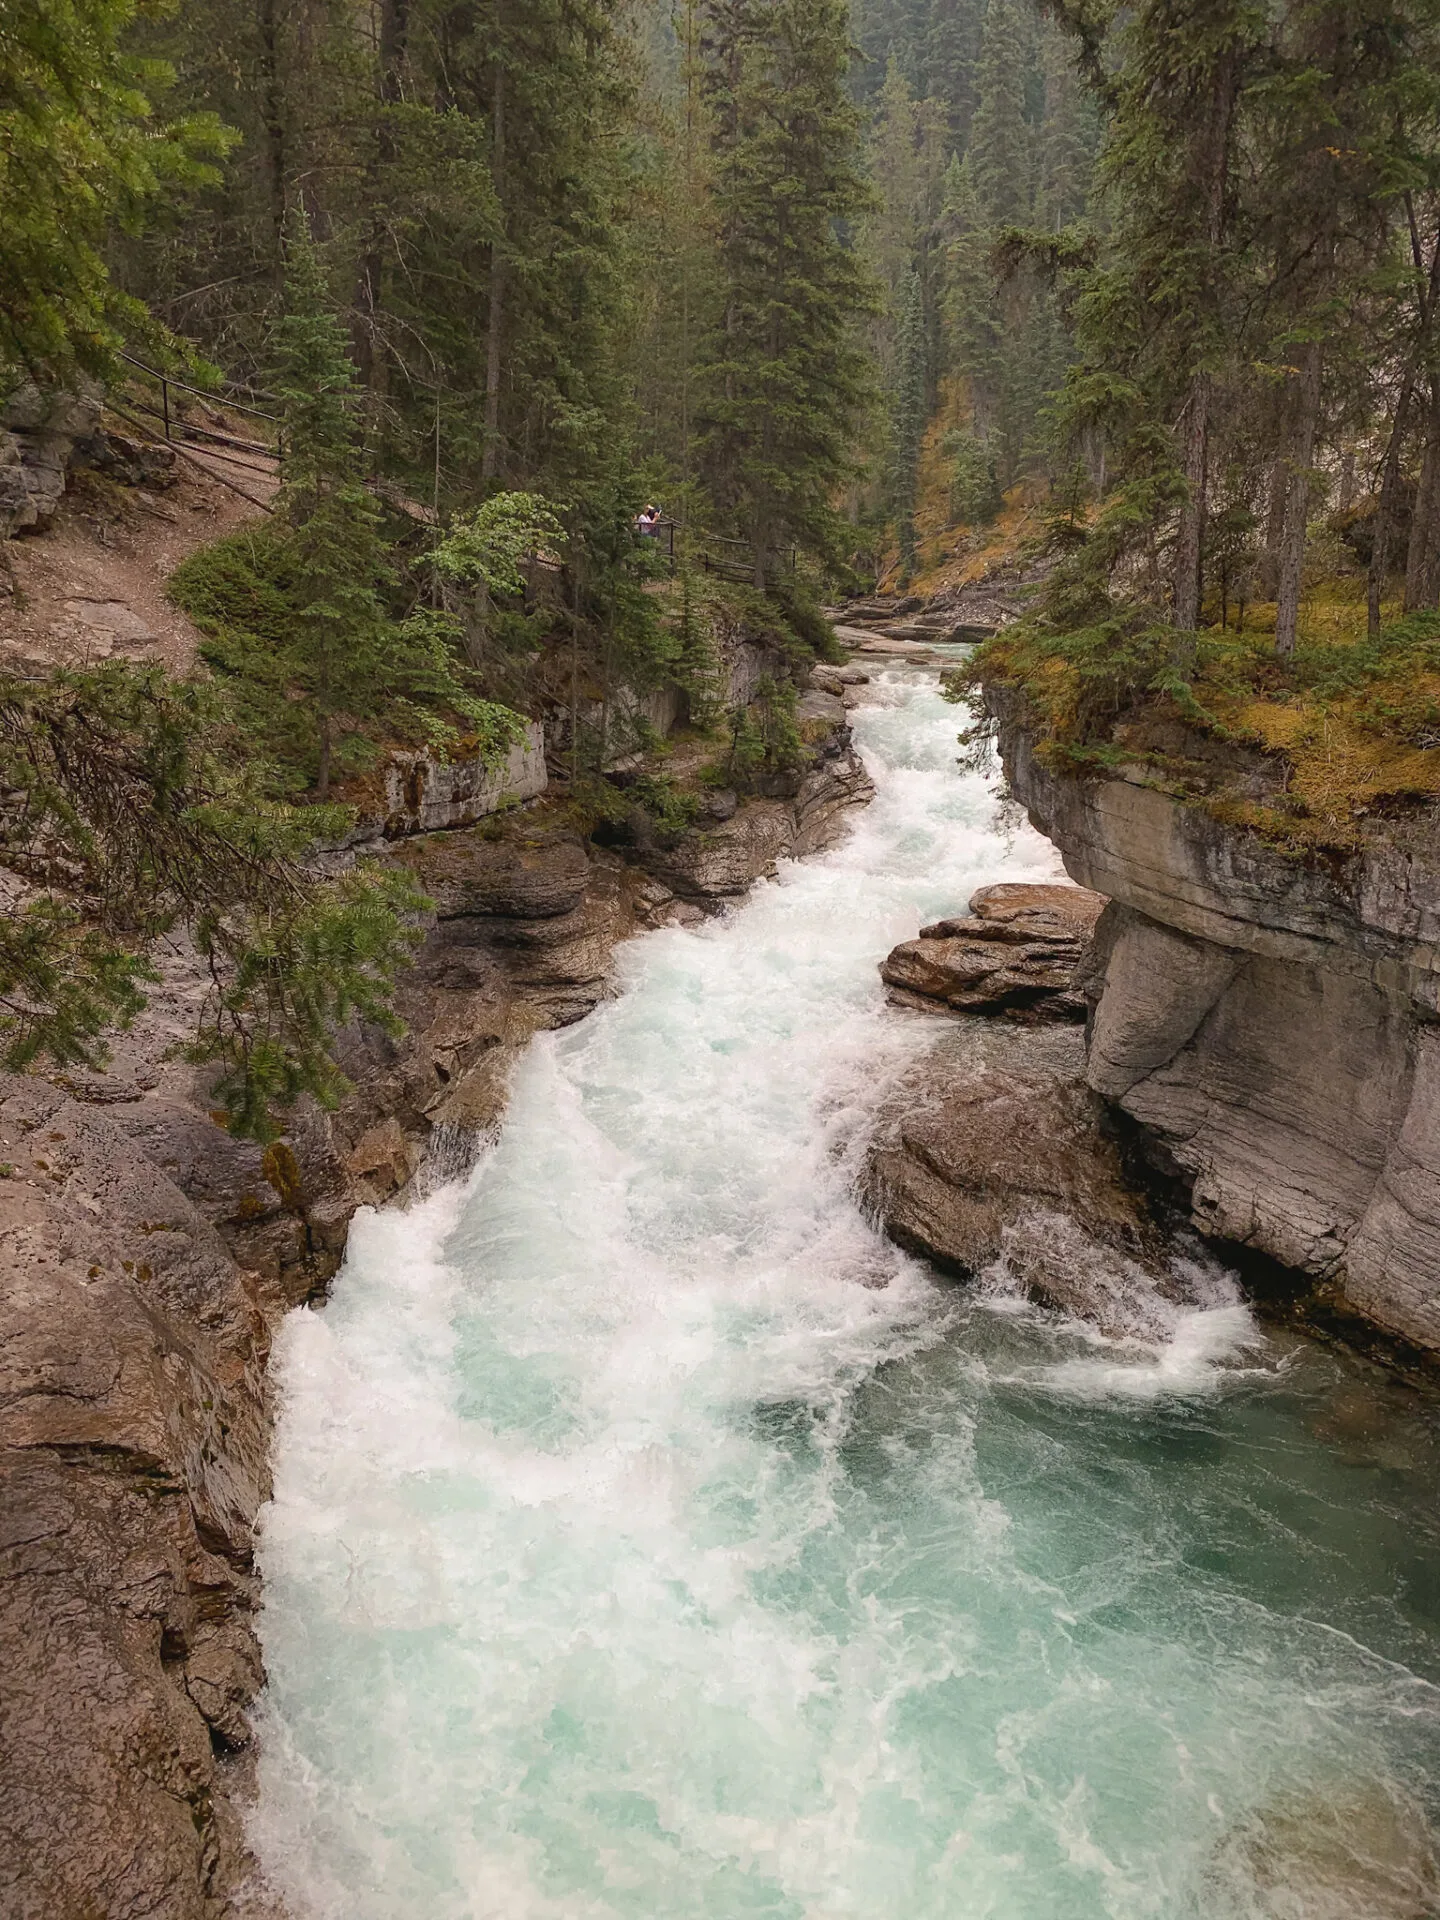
191 431
238 406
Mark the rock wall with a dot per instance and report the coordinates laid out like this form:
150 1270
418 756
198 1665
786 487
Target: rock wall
1273 1023
418 793
991 1156
148 1258
39 434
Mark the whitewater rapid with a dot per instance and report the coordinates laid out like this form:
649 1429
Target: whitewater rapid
651 1539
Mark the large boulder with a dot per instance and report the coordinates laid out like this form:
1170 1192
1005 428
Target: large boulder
1016 953
991 1153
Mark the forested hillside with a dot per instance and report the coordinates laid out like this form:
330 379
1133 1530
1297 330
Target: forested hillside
496 275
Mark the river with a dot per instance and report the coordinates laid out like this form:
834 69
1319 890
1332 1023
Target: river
651 1540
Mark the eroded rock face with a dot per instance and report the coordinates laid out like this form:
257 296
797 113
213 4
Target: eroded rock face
133 1452
992 1150
39 433
1016 953
1273 1024
721 860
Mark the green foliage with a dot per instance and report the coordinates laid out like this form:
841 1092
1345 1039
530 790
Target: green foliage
696 664
783 380
126 817
999 155
486 548
301 615
908 416
81 150
765 738
975 496
648 806
805 627
293 973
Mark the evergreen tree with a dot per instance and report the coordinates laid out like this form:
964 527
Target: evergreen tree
81 151
337 557
783 380
1068 136
952 50
908 417
131 788
972 345
324 665
907 170
1000 145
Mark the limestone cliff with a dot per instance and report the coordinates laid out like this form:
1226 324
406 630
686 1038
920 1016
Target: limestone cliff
1270 1021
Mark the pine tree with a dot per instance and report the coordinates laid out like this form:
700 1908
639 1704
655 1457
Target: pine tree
783 380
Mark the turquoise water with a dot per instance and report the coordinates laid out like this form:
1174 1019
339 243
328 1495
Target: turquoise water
651 1540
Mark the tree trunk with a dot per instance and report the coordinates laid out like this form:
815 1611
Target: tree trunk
1385 510
322 777
1213 168
1427 295
1297 501
1422 562
490 458
1347 480
1190 535
369 297
272 107
1268 567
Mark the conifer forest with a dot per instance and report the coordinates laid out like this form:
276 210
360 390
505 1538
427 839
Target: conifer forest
818 285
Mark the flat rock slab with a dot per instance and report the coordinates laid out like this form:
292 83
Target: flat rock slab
1015 953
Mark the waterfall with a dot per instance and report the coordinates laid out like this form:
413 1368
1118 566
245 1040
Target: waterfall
651 1539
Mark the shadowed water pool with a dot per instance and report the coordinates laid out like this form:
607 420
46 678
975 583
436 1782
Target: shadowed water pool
651 1540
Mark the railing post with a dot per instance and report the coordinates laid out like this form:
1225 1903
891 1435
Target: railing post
165 402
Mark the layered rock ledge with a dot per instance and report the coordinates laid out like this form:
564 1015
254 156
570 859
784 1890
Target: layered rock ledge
1017 952
1273 1023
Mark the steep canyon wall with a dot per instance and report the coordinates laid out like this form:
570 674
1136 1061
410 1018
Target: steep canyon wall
1272 1023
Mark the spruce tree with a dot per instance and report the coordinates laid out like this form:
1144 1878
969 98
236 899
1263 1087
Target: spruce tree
908 417
952 51
971 334
1068 135
783 380
337 556
81 151
302 616
999 154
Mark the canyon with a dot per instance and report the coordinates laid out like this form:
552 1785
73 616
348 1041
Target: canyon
1269 1021
158 1258
152 1258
